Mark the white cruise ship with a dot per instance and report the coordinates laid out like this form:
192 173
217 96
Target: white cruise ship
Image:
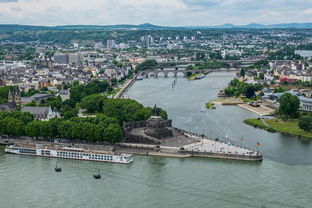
68 153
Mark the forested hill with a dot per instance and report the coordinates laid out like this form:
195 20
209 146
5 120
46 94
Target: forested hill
127 27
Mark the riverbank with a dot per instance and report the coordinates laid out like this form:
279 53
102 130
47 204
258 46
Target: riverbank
227 101
201 148
276 125
196 76
261 110
210 105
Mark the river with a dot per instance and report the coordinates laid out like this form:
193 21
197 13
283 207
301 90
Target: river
282 179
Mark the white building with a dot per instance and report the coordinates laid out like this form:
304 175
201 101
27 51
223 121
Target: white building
41 113
305 104
65 94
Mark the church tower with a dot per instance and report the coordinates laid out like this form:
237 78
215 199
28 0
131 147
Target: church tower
14 95
11 95
17 96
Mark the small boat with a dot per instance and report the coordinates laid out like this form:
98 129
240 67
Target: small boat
57 169
97 176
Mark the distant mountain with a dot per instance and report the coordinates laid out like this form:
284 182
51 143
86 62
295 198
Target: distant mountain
259 26
147 26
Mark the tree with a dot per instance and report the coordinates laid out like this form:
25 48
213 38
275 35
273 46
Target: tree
147 64
65 129
12 126
93 103
189 67
261 75
33 129
242 73
289 106
68 112
279 89
250 91
114 82
305 123
23 116
49 128
113 132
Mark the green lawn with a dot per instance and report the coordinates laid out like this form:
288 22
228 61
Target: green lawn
289 127
255 123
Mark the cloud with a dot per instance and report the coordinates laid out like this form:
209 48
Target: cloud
161 12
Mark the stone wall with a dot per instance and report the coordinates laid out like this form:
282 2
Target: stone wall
130 138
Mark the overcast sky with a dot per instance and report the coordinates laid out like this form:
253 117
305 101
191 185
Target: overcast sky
159 12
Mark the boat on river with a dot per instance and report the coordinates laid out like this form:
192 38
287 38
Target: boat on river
68 153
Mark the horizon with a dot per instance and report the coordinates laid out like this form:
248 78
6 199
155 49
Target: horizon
174 13
152 24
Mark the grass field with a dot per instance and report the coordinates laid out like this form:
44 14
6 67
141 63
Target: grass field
289 127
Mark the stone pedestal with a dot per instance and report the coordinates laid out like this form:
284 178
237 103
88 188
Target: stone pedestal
158 128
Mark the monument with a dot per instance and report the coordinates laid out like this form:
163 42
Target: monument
156 126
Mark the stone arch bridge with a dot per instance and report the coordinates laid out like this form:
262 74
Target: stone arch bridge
175 72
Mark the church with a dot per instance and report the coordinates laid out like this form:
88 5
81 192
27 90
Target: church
14 99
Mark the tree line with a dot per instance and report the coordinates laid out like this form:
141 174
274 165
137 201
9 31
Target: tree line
100 128
105 127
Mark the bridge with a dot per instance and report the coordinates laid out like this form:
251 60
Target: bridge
175 72
231 63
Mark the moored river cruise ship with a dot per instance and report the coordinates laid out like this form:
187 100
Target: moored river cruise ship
69 153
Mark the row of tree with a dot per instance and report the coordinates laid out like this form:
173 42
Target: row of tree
100 128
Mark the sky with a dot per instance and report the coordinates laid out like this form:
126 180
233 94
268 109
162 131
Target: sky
158 12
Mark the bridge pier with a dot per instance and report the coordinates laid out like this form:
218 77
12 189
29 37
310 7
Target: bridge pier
166 75
175 74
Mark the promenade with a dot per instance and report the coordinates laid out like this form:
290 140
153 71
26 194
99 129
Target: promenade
217 147
262 110
125 86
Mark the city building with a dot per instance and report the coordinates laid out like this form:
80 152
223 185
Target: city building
41 113
147 41
111 44
305 104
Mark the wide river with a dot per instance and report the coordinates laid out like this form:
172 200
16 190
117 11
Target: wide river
282 179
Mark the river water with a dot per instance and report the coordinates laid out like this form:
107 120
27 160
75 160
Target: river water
282 179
